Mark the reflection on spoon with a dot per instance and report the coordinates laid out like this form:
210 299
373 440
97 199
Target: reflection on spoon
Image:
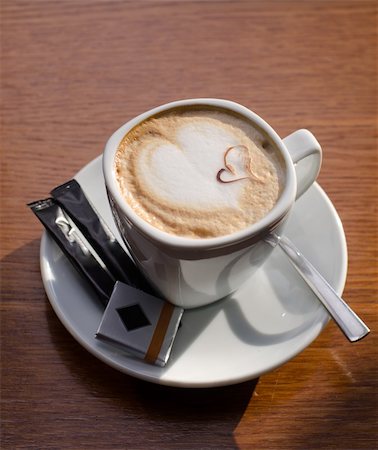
348 321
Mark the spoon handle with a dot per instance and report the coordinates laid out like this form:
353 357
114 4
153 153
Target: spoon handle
348 321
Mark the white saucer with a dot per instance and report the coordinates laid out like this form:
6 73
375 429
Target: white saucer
272 317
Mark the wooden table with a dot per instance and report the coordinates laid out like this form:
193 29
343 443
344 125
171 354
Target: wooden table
72 71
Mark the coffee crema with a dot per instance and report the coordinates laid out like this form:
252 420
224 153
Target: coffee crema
199 172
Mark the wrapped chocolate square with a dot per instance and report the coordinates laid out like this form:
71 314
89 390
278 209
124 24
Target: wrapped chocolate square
143 324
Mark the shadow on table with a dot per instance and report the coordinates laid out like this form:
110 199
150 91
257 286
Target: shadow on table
194 417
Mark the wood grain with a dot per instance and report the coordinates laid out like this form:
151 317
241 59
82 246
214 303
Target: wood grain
72 72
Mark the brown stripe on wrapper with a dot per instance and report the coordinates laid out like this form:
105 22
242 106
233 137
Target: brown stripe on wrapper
159 333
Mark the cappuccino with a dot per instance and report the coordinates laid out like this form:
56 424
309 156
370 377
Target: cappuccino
199 172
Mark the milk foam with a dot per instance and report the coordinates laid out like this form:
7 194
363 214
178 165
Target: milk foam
183 173
197 173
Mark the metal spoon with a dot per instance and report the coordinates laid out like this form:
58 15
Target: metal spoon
348 321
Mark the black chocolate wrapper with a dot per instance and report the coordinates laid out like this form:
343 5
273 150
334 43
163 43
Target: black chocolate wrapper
65 234
72 199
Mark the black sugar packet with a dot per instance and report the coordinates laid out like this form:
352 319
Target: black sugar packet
62 229
72 199
128 297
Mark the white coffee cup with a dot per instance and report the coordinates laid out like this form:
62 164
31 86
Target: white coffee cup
194 272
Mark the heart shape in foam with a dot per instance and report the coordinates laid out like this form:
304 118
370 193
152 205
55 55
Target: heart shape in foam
183 174
237 162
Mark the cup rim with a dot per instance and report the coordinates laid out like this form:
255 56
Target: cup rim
261 227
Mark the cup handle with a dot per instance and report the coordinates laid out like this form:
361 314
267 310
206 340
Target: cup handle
306 153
